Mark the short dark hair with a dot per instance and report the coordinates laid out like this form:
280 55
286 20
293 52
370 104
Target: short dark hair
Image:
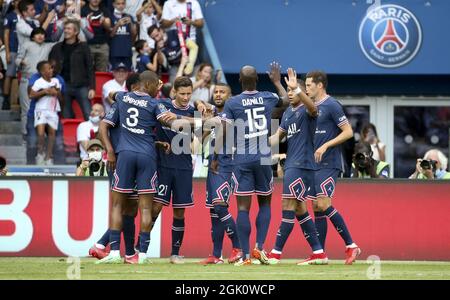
41 65
151 28
318 77
132 79
23 5
166 88
182 81
363 147
38 30
139 45
224 85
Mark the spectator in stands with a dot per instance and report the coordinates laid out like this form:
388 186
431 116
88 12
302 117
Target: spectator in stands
169 46
190 16
100 22
132 7
31 52
93 164
47 92
43 8
203 87
31 132
77 69
117 84
432 166
27 21
11 48
365 166
146 59
369 135
148 15
88 130
123 34
72 11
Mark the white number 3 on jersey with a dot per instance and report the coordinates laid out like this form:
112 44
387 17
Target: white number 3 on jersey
132 120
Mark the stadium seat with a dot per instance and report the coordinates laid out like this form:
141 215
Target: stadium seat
70 134
100 79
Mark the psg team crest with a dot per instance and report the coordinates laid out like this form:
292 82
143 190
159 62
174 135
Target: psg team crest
390 36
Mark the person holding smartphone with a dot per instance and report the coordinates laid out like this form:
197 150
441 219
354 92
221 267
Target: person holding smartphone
100 22
123 33
369 135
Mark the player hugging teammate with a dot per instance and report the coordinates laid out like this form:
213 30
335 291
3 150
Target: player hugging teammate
239 128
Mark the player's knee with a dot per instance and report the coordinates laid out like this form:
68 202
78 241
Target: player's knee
131 208
156 209
220 209
301 209
289 204
178 213
321 205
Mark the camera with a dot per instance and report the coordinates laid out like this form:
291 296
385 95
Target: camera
94 166
428 164
282 162
2 163
360 160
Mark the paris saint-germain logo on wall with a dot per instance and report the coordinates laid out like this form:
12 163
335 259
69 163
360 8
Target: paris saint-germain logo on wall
390 36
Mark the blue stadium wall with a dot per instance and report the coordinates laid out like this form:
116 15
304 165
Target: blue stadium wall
325 34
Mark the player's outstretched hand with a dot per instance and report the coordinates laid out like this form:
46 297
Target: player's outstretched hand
168 117
319 153
274 72
291 80
111 163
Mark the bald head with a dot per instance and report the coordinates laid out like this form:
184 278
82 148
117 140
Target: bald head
248 78
97 110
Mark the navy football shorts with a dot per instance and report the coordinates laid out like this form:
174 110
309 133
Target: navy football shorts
135 171
325 182
252 178
218 188
299 184
176 185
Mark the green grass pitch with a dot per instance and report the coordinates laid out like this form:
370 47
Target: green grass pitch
59 267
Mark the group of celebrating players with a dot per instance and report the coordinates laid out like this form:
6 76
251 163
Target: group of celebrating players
146 141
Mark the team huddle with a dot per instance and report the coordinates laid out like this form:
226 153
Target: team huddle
148 144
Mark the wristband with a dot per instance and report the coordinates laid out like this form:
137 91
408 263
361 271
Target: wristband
297 90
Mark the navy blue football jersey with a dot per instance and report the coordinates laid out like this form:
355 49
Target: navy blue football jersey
299 127
183 160
251 113
138 114
331 117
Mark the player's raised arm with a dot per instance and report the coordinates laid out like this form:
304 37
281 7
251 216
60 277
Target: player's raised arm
292 83
275 77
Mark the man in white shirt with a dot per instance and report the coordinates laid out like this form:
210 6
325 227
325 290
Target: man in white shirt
117 84
177 10
189 13
88 129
